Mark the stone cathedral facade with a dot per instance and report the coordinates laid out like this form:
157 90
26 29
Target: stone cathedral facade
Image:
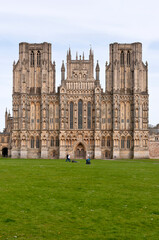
80 118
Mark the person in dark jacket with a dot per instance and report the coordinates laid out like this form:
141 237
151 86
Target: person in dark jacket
88 160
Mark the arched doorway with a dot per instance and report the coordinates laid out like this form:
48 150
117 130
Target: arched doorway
107 154
5 152
80 152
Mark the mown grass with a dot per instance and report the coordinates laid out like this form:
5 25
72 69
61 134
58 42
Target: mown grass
52 199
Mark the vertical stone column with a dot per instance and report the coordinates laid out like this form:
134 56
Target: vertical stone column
97 132
44 128
23 126
116 126
63 117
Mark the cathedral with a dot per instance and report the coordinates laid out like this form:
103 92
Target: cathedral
80 118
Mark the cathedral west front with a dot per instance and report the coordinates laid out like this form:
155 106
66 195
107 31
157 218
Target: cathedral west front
80 118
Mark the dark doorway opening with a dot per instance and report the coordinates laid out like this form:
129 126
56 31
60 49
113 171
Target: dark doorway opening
5 152
80 152
108 154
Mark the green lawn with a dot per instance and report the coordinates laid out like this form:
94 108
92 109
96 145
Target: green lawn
52 199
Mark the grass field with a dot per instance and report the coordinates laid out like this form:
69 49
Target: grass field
52 199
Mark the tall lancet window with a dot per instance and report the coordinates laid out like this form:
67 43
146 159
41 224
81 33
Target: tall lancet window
71 115
32 142
128 58
38 59
32 59
37 142
122 58
80 114
89 115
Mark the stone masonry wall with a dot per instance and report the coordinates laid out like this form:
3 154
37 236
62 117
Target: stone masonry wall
154 149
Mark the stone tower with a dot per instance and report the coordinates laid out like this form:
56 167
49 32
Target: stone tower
33 82
77 107
127 82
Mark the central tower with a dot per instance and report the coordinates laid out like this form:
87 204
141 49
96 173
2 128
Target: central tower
77 98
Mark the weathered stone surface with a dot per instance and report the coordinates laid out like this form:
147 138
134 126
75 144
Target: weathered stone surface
80 119
154 149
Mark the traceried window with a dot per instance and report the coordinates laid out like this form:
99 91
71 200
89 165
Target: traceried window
103 141
52 141
122 142
32 142
89 115
80 115
128 58
128 142
122 58
32 59
37 142
108 141
32 116
57 141
71 115
38 59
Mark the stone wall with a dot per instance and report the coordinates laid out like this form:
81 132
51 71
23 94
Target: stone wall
154 149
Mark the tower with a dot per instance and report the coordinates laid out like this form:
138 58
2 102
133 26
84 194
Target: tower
33 81
127 82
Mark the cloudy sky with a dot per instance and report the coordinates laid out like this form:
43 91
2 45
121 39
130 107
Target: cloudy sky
79 24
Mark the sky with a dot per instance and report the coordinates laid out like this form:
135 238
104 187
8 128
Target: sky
78 25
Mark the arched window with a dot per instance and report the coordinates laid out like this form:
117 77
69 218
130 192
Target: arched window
32 142
57 141
32 116
80 115
38 59
32 59
122 58
37 142
108 141
128 58
128 142
122 142
89 115
103 141
52 141
71 115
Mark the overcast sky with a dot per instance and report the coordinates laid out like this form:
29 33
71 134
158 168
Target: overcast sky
79 24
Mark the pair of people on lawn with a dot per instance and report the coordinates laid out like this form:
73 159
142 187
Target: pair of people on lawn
88 160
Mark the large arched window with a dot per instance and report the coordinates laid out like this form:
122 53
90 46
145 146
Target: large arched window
52 141
103 141
122 142
122 58
32 59
80 115
89 115
71 115
128 58
108 141
32 142
32 116
57 141
37 142
128 142
38 59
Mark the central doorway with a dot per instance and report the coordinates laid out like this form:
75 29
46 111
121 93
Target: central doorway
5 152
80 152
